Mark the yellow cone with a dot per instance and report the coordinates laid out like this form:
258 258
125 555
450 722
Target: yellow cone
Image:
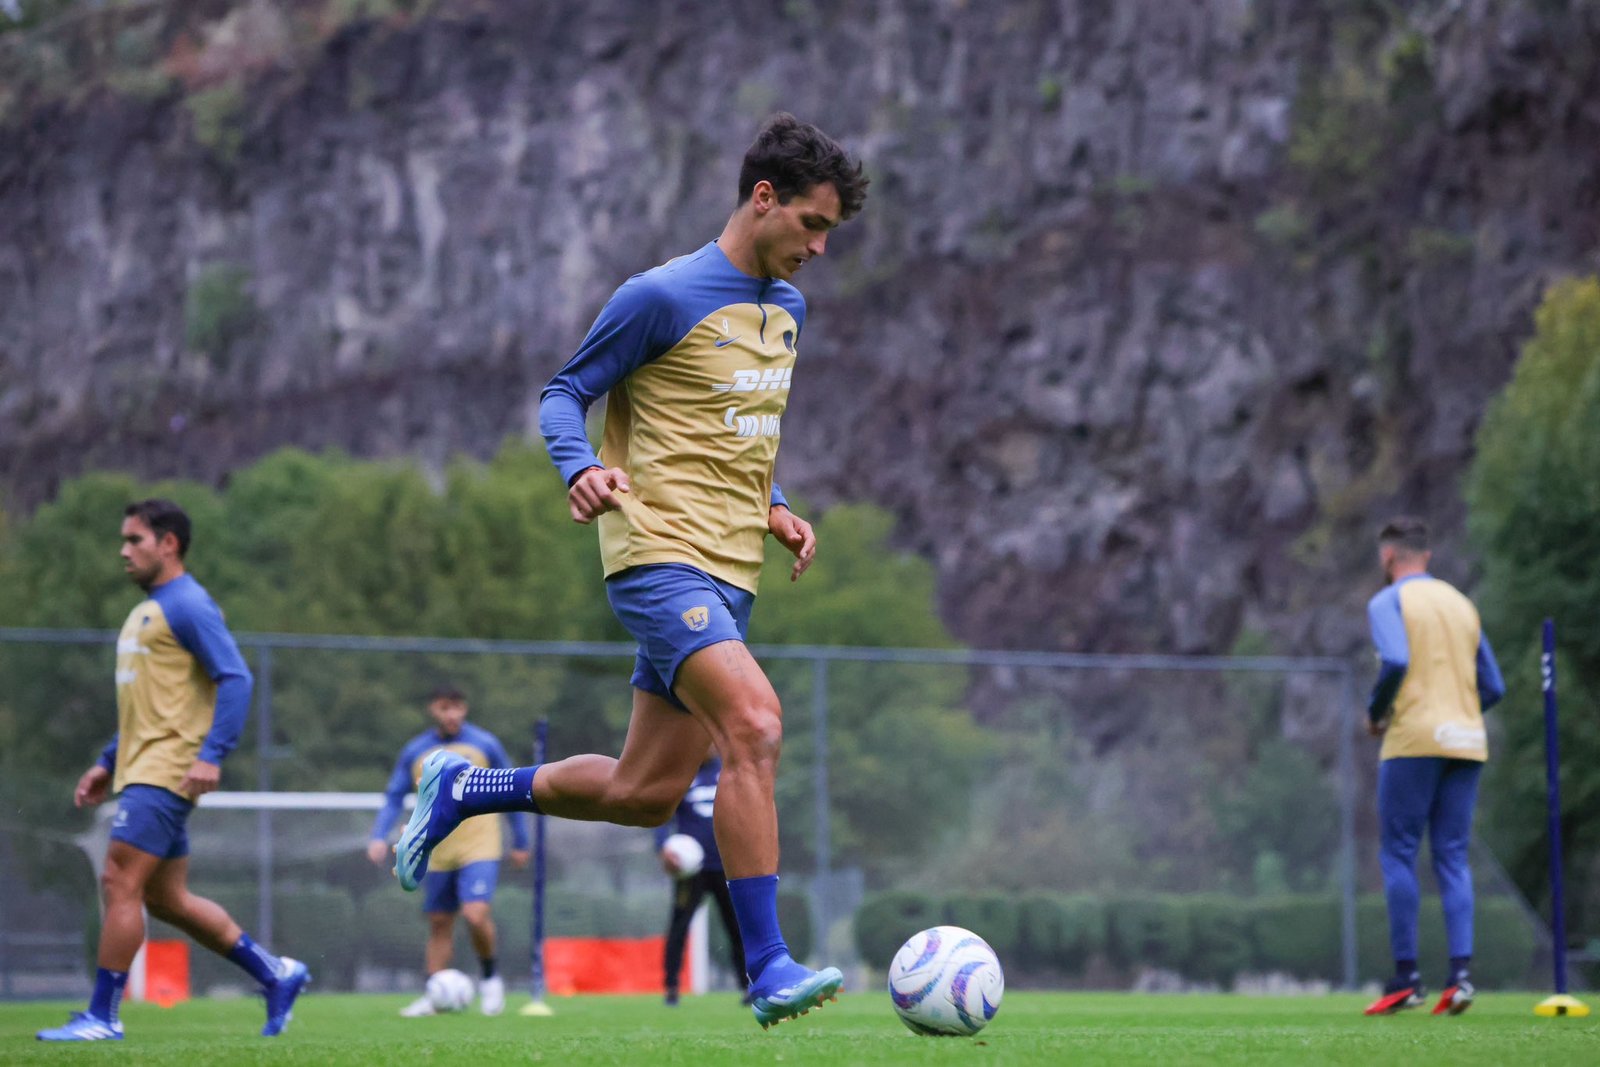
1561 1004
542 1010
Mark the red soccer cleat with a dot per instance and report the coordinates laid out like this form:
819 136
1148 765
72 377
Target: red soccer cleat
1398 995
1456 998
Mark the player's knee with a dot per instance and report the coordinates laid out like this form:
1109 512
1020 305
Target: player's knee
118 884
754 735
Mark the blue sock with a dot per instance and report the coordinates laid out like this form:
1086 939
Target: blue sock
257 962
486 790
108 987
755 905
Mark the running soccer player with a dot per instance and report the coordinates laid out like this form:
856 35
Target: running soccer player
693 818
696 356
466 865
183 692
1437 677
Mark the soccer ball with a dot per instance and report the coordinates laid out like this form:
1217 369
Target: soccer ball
449 990
687 851
946 982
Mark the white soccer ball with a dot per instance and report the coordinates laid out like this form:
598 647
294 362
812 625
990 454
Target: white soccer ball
946 982
687 852
449 990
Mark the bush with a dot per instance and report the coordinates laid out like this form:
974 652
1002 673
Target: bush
1298 935
1059 932
885 920
1150 931
1222 938
992 916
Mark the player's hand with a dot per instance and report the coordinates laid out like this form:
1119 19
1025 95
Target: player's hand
378 851
92 787
202 778
669 863
795 534
594 493
1377 729
520 858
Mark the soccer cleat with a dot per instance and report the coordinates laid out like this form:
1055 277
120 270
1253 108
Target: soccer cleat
1398 995
800 991
282 994
431 820
492 996
671 999
1456 998
420 1008
83 1027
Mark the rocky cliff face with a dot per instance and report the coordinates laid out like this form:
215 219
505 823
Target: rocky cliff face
1155 310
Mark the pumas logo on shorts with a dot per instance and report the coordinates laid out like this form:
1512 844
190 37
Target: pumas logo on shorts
480 887
121 818
697 619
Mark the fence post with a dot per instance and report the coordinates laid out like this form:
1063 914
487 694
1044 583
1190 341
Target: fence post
264 784
1347 825
822 895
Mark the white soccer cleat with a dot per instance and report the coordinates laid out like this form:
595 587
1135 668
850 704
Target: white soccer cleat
419 1008
492 996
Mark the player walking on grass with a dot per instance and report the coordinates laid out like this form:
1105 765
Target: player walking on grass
465 866
696 357
1437 677
183 692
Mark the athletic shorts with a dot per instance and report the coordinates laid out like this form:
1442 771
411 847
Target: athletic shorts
446 891
674 610
153 820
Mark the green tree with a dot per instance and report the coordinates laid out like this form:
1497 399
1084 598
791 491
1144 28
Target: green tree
1534 493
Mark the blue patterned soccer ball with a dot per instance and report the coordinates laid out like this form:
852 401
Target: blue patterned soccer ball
946 982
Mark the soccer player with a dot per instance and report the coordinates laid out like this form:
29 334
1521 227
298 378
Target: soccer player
1437 676
183 692
466 865
693 818
696 356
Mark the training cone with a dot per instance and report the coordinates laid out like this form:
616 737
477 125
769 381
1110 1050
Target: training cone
1561 1004
536 1008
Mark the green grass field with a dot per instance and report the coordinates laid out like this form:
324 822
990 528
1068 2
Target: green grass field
709 1031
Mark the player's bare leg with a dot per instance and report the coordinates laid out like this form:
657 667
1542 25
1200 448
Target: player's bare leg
122 886
436 954
730 694
660 756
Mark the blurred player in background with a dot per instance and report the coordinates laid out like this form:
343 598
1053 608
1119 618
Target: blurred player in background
466 865
693 818
183 692
696 357
1437 677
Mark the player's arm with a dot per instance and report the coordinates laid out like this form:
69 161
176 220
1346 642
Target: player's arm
95 783
394 798
521 846
637 324
200 629
1388 628
1491 687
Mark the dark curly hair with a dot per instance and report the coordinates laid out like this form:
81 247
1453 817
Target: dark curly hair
795 156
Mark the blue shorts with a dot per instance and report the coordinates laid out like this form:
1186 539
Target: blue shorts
674 610
153 820
446 891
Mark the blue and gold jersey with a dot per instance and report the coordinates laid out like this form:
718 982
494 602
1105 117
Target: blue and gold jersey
476 839
695 359
1437 669
183 690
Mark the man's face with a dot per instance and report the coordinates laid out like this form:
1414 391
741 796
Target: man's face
448 715
142 554
787 235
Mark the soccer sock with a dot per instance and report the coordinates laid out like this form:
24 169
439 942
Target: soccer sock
1405 970
108 987
755 903
257 962
1458 968
486 965
486 790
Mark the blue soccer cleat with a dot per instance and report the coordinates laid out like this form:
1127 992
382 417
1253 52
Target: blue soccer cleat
83 1027
787 990
431 820
281 996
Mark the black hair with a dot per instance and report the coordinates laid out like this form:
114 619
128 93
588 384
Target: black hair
447 692
796 156
163 517
1405 532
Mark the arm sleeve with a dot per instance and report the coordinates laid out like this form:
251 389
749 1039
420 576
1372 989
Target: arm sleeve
108 755
1394 651
636 325
1491 687
199 628
518 819
777 497
394 795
